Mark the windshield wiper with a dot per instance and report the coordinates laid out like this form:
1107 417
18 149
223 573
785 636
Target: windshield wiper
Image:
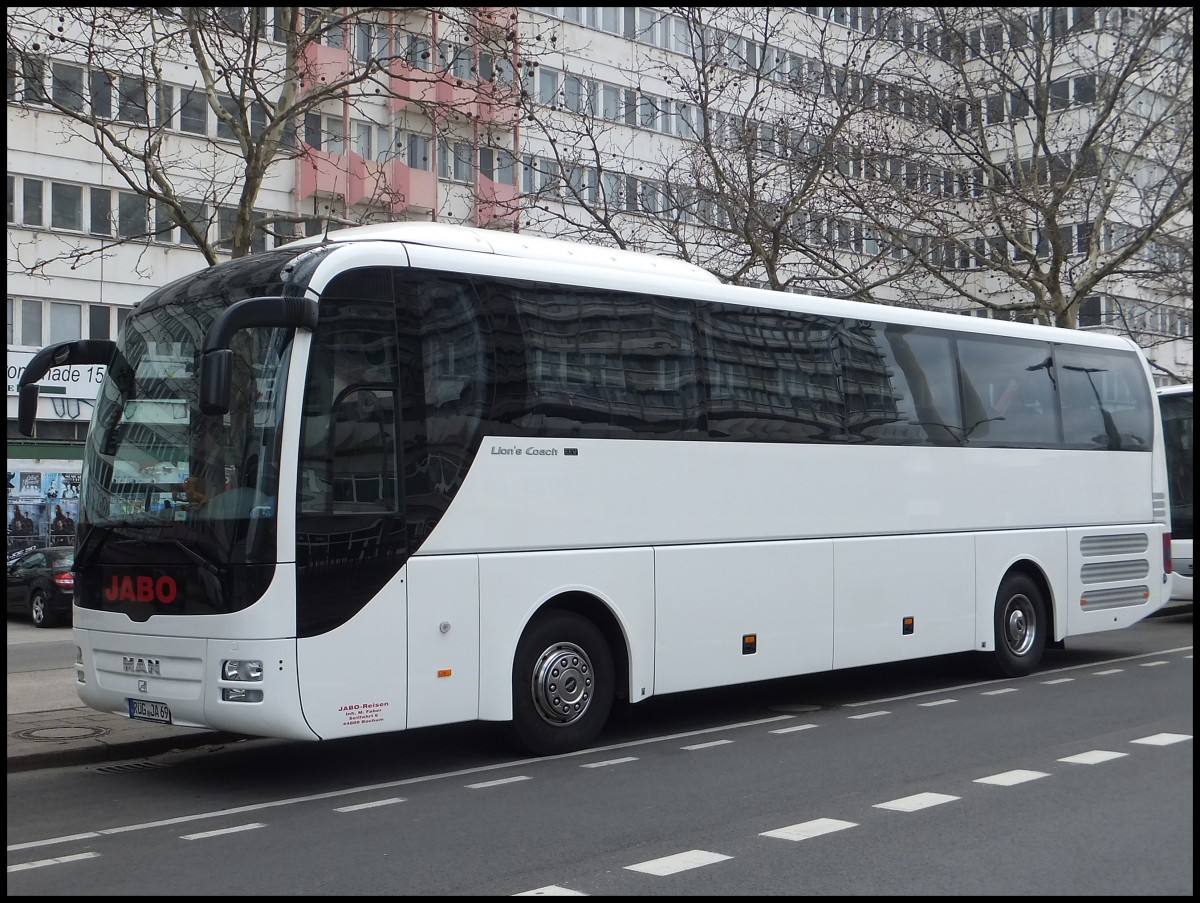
199 559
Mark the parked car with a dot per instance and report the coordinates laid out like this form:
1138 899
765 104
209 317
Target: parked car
40 584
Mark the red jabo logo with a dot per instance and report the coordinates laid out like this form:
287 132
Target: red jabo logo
141 589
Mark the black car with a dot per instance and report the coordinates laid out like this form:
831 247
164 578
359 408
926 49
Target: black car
41 584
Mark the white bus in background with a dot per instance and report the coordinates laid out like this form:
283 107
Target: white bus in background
418 474
1176 405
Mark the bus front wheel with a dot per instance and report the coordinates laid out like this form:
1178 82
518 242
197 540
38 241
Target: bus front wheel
1021 624
563 684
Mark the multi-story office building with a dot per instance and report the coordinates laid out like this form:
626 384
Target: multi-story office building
876 174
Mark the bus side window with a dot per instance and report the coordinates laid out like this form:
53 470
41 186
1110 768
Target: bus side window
1103 400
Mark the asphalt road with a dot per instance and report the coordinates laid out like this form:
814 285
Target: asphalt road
914 779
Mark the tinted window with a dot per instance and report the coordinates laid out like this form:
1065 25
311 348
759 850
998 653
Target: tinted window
1008 393
923 386
1180 449
771 375
602 364
1105 398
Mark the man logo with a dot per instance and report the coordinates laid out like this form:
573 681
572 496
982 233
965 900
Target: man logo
134 665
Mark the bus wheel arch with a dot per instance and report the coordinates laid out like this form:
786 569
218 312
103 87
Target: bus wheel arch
569 666
1023 622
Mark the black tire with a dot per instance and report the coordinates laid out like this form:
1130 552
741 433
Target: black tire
39 610
1021 625
563 683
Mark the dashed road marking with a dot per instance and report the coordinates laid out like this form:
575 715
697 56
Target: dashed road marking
204 835
916 802
680 862
1093 757
513 780
57 860
1009 778
809 829
607 762
372 805
1163 739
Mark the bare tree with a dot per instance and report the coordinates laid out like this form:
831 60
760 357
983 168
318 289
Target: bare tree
1043 156
133 82
1007 159
751 126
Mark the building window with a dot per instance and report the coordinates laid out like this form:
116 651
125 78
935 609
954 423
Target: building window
65 321
67 86
66 206
99 320
417 152
101 211
224 129
193 112
33 71
132 101
102 95
31 322
132 215
31 193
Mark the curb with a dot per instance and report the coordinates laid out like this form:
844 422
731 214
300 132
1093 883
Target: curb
99 751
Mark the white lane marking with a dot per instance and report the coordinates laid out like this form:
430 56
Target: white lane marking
1108 672
793 728
1010 778
437 776
1155 664
680 862
234 830
1163 739
999 692
810 829
391 785
551 890
14 847
868 715
1093 757
513 780
936 702
58 860
984 683
620 761
1058 680
916 802
708 745
361 806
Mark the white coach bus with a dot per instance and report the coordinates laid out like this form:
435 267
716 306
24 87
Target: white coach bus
418 474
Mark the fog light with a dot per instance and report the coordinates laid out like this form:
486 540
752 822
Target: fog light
79 678
238 694
240 669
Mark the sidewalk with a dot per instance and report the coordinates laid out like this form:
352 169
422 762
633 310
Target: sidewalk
48 727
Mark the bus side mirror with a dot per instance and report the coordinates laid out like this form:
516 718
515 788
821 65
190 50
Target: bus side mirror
60 354
216 371
27 401
216 362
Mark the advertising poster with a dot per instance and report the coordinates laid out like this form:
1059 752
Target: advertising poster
42 506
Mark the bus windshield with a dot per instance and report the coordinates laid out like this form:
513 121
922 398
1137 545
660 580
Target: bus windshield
185 486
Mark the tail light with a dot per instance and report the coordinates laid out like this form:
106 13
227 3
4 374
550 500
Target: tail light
1168 565
65 580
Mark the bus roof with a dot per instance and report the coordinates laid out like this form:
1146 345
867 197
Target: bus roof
511 244
626 269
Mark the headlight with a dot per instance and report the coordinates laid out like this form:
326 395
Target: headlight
241 669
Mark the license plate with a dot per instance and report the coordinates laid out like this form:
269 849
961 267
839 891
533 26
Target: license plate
144 710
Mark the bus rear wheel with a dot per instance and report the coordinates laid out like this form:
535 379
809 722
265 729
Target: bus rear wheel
563 684
1021 624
